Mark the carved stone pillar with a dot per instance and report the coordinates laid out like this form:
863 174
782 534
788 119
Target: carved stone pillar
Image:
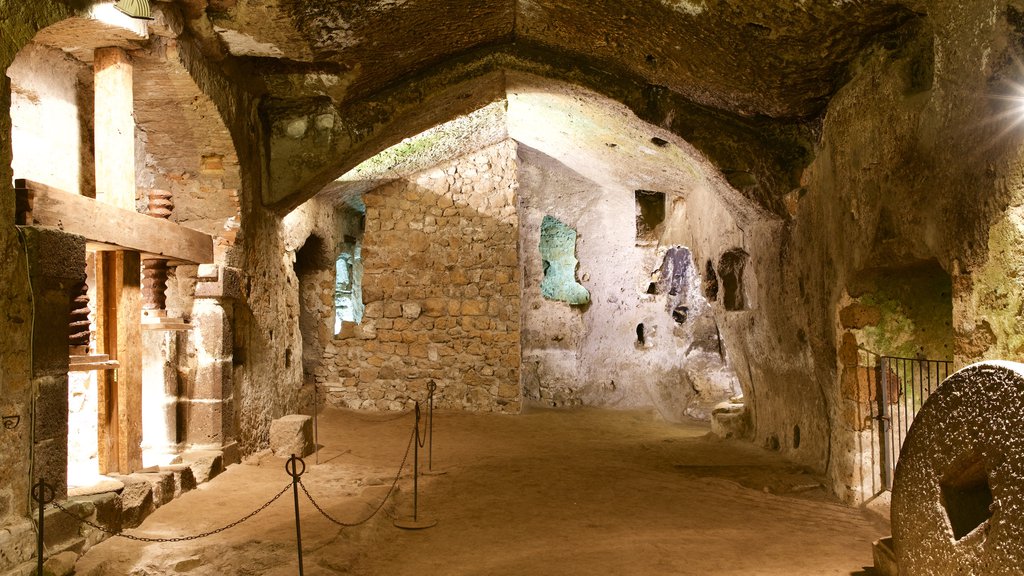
209 411
57 268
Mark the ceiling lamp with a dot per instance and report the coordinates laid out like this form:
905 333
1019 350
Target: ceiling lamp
135 8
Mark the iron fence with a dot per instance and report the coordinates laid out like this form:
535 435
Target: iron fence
897 388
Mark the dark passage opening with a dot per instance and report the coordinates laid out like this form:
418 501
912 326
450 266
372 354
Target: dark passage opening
730 270
650 214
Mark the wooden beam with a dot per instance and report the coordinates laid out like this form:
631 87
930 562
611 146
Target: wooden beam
121 336
109 225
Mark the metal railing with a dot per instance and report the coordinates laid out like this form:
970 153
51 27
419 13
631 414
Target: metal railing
897 388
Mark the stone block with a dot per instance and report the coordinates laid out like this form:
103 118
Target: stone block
162 485
60 565
392 310
204 422
474 307
213 334
292 434
17 544
411 310
52 408
106 511
63 531
435 307
50 337
205 464
51 461
213 380
54 256
136 500
215 281
232 454
184 479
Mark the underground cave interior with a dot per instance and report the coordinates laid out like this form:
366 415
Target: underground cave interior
522 240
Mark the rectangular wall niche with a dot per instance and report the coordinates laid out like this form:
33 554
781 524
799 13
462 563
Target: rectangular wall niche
650 214
558 254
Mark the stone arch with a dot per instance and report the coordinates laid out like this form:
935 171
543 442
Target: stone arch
332 139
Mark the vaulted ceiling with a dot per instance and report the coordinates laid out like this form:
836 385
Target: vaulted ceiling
751 58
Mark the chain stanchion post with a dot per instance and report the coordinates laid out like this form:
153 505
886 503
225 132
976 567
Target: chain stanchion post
292 468
416 523
431 388
39 494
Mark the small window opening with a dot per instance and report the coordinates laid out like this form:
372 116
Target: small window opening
650 215
659 142
796 436
558 256
967 497
640 339
730 270
348 289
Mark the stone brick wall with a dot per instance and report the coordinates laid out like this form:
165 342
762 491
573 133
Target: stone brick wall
441 285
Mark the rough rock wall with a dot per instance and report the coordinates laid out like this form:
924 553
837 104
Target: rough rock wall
623 348
15 310
912 166
441 288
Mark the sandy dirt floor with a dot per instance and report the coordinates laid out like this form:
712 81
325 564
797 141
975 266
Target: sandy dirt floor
546 492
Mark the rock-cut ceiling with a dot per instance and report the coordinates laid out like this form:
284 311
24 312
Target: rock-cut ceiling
749 57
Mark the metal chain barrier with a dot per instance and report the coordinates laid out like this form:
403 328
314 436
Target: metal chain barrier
376 510
42 493
176 539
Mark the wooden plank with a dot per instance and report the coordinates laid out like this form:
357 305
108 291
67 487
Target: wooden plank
114 127
129 356
106 344
119 335
125 229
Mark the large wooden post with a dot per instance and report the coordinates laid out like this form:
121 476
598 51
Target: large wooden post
115 128
120 309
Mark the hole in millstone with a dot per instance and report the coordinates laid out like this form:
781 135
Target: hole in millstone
796 436
966 496
640 333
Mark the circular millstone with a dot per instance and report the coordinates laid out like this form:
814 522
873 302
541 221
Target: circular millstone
958 493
